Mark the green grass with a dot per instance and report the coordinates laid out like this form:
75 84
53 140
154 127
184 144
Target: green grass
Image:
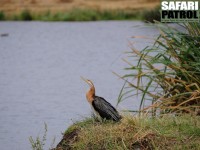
82 15
38 143
167 132
168 72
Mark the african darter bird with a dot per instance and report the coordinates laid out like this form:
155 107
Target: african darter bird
100 105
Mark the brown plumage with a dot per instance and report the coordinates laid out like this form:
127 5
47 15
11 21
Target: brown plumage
100 105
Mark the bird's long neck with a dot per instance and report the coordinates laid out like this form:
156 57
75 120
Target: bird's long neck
90 94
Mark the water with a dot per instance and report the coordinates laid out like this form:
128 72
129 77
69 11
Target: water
40 68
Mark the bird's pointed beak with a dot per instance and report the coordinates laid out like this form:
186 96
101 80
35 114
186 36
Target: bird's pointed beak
88 82
84 80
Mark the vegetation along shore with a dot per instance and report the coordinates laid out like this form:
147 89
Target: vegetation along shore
78 10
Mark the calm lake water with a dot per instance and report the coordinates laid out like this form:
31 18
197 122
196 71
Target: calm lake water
40 68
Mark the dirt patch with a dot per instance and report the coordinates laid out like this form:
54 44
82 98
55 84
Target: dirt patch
145 143
150 140
67 140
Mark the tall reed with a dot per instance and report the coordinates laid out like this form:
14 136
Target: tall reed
167 73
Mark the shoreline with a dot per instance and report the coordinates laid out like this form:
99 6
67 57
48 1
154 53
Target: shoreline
85 15
76 10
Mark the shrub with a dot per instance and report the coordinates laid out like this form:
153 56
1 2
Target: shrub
2 16
151 15
25 15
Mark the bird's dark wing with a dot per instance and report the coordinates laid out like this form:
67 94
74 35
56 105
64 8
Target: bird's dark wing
105 109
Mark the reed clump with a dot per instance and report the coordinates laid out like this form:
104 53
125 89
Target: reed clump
168 73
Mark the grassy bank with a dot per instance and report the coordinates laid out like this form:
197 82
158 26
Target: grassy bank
84 15
166 132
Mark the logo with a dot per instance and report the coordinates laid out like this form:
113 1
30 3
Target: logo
180 11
